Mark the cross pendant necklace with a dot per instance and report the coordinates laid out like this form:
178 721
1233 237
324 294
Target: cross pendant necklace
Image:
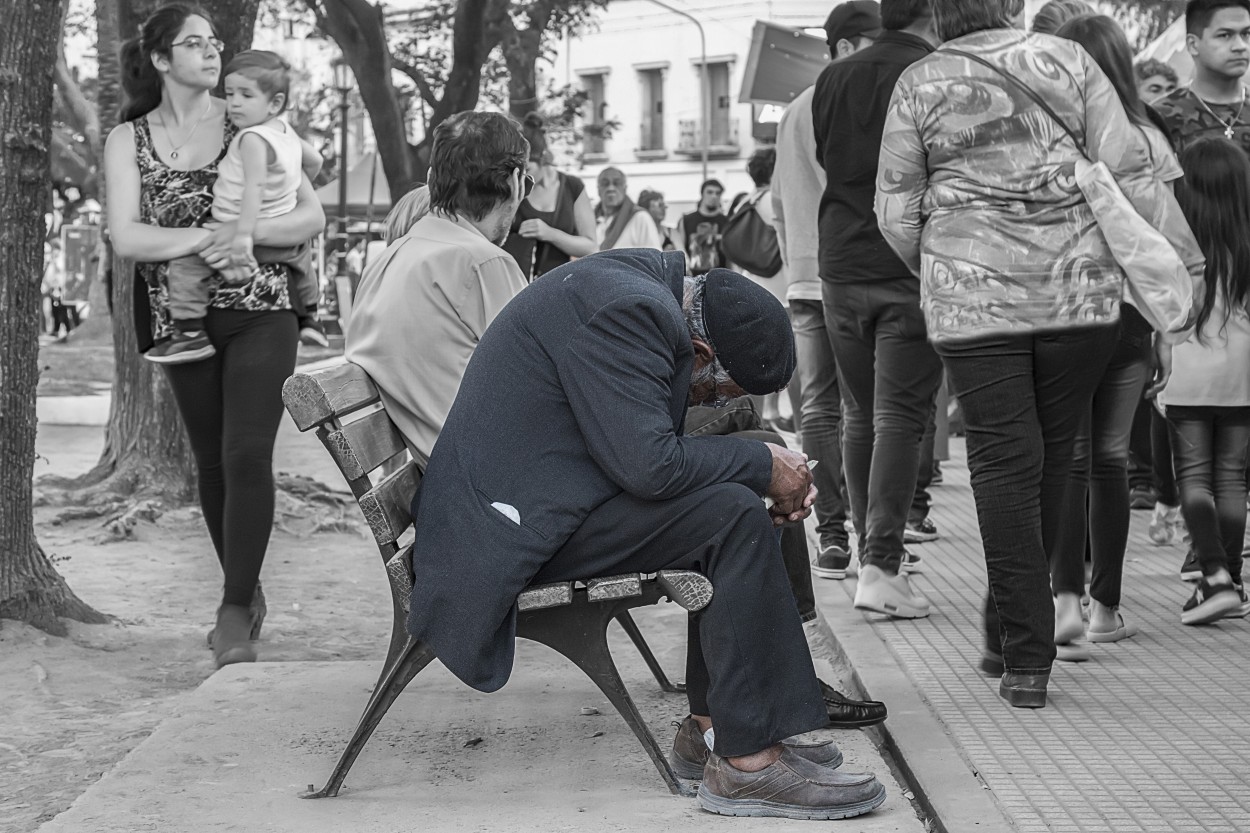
1227 125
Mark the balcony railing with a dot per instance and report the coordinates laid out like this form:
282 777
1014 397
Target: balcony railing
722 138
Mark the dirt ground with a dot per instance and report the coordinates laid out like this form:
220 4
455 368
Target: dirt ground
73 707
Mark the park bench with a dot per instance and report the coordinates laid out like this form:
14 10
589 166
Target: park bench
344 407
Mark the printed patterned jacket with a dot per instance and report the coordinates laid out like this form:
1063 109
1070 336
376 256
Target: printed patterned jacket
976 188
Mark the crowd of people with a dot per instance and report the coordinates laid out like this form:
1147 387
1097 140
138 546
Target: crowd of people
955 203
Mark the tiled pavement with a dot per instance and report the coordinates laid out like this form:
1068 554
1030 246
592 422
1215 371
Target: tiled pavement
1150 735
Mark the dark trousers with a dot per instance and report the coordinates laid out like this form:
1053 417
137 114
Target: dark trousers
747 661
1022 398
1141 449
821 409
889 375
740 419
1209 445
1100 475
231 405
921 501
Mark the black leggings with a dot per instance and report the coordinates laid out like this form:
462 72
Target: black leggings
231 405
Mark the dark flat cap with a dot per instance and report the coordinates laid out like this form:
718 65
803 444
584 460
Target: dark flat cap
750 332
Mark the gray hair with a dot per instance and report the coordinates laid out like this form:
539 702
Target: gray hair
714 373
411 207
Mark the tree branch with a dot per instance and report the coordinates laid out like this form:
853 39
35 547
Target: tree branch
85 116
418 78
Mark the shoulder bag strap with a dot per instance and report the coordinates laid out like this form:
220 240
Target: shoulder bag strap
1026 89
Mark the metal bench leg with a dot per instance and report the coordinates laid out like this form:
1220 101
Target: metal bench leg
416 656
627 622
581 634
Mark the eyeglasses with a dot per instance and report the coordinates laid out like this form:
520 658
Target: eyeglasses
198 42
527 185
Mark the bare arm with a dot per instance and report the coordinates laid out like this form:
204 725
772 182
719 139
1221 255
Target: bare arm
291 229
132 238
574 245
310 159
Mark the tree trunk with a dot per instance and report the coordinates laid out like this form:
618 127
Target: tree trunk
30 588
472 40
521 48
146 451
357 27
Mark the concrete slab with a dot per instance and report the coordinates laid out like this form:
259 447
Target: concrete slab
239 750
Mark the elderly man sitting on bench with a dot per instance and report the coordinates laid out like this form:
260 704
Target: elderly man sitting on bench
562 458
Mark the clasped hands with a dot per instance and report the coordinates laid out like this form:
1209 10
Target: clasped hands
228 252
790 486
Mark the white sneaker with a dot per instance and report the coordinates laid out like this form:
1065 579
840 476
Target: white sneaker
892 595
1165 524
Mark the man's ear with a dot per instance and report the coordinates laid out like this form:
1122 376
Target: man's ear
843 48
1191 43
703 353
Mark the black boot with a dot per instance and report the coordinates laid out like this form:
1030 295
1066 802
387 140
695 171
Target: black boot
231 637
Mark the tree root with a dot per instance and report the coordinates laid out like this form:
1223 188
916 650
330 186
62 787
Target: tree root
47 601
121 526
306 507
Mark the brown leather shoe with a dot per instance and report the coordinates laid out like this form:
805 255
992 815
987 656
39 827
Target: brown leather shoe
792 788
690 752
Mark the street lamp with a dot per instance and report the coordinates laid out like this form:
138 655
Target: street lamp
343 84
703 81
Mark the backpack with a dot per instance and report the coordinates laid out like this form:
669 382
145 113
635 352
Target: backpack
750 242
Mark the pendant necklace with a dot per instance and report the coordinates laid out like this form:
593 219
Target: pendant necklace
173 153
1229 125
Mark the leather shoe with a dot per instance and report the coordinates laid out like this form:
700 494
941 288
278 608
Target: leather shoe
231 637
791 787
845 713
690 753
1024 691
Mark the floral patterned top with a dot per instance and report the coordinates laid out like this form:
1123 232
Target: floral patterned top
977 193
182 199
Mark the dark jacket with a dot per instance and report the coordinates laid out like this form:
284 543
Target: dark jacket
577 392
849 107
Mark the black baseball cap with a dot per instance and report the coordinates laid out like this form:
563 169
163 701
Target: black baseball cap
750 331
854 19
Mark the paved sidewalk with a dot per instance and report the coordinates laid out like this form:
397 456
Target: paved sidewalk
1150 735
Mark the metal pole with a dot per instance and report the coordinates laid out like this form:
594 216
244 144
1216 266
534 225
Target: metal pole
703 80
343 111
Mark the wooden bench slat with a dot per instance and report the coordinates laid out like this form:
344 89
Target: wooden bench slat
614 587
361 446
386 506
314 398
545 595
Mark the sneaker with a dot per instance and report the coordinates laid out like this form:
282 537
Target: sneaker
1244 610
937 474
1164 526
1190 570
1210 602
892 595
791 787
1141 497
182 347
690 751
832 562
312 335
918 533
911 563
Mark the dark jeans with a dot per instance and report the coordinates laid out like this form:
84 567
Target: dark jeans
231 405
740 419
1209 445
1161 458
1141 449
747 661
821 409
889 375
1022 397
921 501
1100 473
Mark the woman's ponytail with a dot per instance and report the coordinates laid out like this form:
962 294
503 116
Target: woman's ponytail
140 81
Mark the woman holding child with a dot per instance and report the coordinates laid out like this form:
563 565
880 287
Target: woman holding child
161 165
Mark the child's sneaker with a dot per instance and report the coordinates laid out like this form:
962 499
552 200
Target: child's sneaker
1164 524
182 347
310 333
1210 602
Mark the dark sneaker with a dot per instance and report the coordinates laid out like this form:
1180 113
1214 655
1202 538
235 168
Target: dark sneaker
845 713
832 562
182 347
1210 602
1242 611
690 752
792 788
1190 570
919 533
312 335
937 474
911 563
